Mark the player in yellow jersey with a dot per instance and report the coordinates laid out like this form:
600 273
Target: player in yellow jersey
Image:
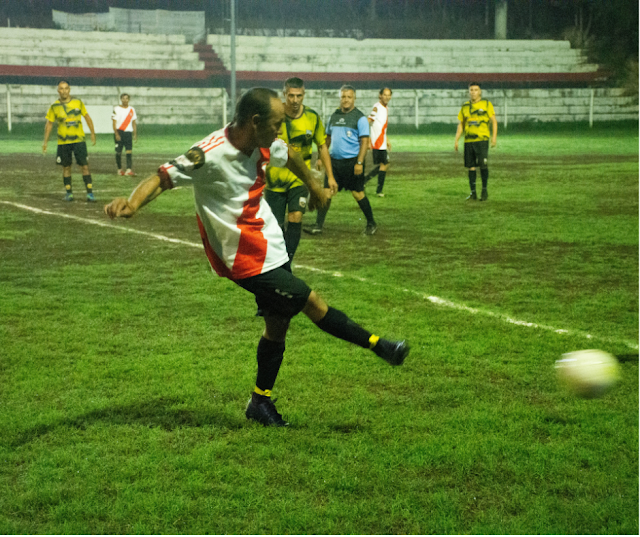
68 112
284 192
474 118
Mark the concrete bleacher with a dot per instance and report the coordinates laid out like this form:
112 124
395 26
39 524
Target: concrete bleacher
261 54
46 54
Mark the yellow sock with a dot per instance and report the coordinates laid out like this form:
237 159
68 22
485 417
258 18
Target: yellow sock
373 340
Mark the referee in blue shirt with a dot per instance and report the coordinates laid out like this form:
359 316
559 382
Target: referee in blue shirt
348 137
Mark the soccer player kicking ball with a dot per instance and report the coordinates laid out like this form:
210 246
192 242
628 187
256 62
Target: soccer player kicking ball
242 238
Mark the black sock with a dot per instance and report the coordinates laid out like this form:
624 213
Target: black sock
373 172
292 238
484 174
381 177
322 214
472 180
87 183
119 159
269 355
67 184
339 325
129 161
365 206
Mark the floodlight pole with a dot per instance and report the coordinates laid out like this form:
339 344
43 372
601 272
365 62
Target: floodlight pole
233 56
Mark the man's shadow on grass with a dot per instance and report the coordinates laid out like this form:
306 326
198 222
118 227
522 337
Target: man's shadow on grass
154 413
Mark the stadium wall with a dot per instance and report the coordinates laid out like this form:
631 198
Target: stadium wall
185 106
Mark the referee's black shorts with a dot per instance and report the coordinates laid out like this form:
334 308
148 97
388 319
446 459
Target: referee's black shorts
344 175
476 154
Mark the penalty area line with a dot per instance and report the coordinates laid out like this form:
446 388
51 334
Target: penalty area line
436 301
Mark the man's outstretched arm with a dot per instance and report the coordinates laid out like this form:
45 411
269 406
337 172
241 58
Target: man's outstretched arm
146 191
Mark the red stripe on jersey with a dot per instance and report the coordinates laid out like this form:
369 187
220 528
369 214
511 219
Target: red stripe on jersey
208 147
126 121
216 263
252 246
378 143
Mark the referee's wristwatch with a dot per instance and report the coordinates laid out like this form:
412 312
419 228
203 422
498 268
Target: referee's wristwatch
358 162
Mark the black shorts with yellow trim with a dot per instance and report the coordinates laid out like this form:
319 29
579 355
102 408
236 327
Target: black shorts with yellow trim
344 175
380 156
290 201
476 154
278 292
66 152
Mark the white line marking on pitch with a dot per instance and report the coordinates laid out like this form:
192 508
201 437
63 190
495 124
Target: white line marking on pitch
437 301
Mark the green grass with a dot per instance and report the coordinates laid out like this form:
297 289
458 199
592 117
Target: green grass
125 365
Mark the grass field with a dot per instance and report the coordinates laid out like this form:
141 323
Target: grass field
125 365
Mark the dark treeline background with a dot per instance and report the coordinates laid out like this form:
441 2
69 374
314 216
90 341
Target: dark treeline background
608 29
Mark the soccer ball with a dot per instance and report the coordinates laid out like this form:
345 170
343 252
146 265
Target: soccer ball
590 373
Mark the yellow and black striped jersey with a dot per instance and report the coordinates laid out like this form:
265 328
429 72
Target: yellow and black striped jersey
68 116
476 117
300 134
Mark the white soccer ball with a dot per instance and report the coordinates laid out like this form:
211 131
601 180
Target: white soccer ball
589 373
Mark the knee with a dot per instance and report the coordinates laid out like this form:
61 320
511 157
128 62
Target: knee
276 328
357 195
295 217
315 308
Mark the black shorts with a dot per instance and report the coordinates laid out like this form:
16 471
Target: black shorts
344 176
476 154
65 152
278 292
126 140
380 156
293 200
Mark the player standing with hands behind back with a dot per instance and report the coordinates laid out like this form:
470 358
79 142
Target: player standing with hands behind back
474 118
124 129
378 122
68 112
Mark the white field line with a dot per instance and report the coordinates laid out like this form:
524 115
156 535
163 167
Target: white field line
437 301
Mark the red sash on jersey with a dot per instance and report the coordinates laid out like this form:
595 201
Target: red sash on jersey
126 121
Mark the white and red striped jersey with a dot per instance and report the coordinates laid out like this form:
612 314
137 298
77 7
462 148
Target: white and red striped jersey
124 117
241 236
378 129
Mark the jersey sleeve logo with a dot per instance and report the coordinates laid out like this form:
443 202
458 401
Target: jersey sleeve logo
191 160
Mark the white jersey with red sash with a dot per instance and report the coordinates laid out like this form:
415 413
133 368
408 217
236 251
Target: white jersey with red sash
241 236
378 129
124 118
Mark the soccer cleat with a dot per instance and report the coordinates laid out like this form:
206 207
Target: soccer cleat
484 196
120 172
370 229
472 196
129 172
264 412
68 196
91 197
313 230
393 352
380 195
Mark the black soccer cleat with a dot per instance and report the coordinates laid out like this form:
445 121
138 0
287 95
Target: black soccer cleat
313 230
393 352
484 196
265 413
472 196
370 229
